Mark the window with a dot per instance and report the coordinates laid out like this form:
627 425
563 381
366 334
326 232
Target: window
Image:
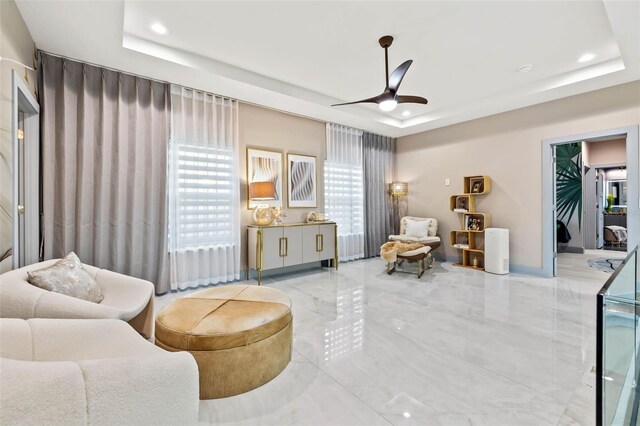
344 195
204 198
344 190
204 215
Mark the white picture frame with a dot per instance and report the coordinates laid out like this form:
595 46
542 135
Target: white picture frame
265 166
302 181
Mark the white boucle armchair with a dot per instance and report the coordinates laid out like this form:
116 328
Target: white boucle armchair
70 371
432 240
125 298
423 255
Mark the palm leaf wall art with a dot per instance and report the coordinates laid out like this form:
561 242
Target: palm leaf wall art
569 181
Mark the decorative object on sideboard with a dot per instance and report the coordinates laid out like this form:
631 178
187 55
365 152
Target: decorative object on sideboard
279 215
265 166
399 189
262 214
301 170
317 217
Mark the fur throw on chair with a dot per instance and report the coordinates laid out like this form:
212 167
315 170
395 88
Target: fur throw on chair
389 251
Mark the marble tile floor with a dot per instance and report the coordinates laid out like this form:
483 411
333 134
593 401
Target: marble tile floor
456 347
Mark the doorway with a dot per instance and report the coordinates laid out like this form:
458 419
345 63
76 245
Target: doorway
549 189
25 131
612 193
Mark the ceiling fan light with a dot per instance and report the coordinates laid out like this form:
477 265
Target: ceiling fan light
388 105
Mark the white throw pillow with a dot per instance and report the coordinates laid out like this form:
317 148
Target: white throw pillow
417 228
67 276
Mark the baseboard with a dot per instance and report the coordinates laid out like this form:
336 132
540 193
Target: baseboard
528 270
514 269
569 249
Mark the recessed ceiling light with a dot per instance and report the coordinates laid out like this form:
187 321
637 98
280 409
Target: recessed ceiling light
525 68
158 28
406 414
406 113
586 57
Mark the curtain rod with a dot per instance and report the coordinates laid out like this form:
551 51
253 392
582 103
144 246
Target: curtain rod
132 74
200 90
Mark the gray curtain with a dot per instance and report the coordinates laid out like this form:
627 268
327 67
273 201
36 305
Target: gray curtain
104 167
379 169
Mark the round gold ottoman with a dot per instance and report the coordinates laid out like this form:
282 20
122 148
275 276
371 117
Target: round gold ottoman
240 336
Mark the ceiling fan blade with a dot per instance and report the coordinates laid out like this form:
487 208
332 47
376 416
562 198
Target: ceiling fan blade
398 74
411 100
373 100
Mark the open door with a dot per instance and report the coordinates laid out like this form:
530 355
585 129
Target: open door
26 174
554 213
600 209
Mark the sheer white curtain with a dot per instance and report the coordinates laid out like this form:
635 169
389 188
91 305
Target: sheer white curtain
343 185
204 198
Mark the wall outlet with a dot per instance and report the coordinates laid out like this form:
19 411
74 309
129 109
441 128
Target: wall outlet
447 182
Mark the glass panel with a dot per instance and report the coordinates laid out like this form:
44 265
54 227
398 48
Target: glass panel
618 341
624 286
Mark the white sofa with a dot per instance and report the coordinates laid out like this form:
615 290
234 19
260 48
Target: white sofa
98 372
125 298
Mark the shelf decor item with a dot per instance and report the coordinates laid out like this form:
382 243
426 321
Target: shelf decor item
264 166
462 204
263 214
301 170
477 186
470 239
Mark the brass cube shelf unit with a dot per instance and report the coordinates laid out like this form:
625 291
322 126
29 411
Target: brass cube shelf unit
470 238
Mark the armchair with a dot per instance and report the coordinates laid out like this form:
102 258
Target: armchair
431 240
421 255
615 235
91 372
125 298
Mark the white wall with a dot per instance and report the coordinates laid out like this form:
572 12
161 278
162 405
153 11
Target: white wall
506 147
15 43
606 153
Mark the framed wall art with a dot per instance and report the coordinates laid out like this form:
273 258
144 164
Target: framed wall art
265 166
301 172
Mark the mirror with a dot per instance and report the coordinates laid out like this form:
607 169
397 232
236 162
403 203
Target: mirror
618 188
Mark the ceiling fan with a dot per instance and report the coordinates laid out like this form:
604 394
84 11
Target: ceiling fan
389 98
